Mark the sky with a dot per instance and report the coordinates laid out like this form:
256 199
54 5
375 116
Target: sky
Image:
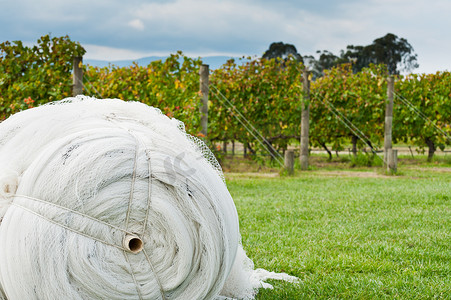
130 29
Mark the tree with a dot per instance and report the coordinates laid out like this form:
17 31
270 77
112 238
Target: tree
282 51
326 61
396 53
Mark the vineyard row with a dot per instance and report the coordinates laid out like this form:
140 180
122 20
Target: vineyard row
268 93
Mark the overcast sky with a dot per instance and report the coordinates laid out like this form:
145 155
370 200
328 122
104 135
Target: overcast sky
130 29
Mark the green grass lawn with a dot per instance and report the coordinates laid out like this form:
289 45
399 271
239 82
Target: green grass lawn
347 235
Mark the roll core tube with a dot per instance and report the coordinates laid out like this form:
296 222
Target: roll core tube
133 243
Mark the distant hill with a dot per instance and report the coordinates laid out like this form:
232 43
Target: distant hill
214 62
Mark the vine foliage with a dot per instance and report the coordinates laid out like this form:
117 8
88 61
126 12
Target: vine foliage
35 75
267 93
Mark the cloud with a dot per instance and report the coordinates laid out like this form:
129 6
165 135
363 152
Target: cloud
136 24
113 54
235 27
204 25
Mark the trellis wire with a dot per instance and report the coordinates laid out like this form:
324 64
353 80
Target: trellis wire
421 114
249 127
236 113
97 93
354 129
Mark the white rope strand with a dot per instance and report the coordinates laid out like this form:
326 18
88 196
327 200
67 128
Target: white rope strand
74 212
118 246
132 187
132 273
163 295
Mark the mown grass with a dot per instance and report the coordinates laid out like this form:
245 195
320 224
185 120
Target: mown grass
349 237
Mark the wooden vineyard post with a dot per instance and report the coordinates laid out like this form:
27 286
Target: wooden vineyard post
77 87
204 73
289 161
305 121
389 122
392 161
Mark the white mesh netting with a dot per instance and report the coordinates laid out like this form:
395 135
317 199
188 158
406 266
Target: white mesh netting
106 199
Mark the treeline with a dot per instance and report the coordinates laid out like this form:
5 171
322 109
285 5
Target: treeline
266 92
393 51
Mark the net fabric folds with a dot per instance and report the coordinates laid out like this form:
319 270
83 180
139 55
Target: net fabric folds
106 199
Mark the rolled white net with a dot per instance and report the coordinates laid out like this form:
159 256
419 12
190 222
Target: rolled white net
106 199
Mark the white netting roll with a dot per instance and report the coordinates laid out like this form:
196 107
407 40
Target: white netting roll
105 199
